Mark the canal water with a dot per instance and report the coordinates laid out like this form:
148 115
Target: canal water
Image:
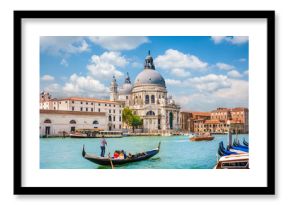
176 152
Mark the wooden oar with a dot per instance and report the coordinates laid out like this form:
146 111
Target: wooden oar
112 166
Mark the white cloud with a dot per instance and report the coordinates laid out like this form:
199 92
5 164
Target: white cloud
174 59
224 66
104 66
234 74
208 83
173 82
118 43
235 40
64 62
47 78
235 95
180 72
217 39
84 86
63 45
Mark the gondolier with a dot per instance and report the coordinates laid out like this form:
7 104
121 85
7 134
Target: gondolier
103 146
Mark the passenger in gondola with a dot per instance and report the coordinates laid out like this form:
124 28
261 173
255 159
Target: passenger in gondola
121 155
103 144
116 154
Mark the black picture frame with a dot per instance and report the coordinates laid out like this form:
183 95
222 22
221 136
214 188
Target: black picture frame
269 16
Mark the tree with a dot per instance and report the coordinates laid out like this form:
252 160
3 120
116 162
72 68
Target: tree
130 119
135 122
127 115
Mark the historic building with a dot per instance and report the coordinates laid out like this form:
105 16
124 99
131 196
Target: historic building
147 97
216 121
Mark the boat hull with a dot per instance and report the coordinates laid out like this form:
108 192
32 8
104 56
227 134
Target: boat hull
108 161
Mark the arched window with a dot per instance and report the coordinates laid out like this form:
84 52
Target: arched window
149 113
47 121
147 99
72 122
95 122
153 99
110 118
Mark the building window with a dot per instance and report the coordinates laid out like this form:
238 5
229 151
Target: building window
92 109
109 105
152 99
114 111
59 102
54 108
114 126
81 109
114 119
114 106
86 103
47 121
72 102
81 102
120 127
72 108
120 112
86 109
150 113
105 104
99 104
126 97
99 110
147 99
120 119
92 103
65 101
110 118
72 122
109 111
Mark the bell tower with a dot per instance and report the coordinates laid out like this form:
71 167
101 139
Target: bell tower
114 90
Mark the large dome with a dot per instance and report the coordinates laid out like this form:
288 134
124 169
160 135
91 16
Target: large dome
150 76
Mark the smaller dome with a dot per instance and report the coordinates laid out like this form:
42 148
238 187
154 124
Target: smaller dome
126 89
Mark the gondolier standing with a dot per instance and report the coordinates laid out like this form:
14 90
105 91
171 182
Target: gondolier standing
103 144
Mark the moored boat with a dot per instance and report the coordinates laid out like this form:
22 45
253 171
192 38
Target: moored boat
201 137
109 161
234 161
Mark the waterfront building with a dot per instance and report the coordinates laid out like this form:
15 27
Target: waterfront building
58 122
112 110
148 98
216 121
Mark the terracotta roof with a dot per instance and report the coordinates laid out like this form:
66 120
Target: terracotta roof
212 122
239 109
41 111
89 100
201 113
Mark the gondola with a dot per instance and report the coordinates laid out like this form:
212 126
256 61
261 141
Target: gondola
111 161
236 145
245 142
222 151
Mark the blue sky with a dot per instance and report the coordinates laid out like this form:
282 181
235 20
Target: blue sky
201 72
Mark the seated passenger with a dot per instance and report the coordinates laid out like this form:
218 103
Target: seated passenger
116 154
121 155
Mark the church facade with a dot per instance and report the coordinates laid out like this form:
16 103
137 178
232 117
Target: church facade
148 98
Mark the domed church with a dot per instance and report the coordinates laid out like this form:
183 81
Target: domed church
147 97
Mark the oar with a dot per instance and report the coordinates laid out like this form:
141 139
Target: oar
112 166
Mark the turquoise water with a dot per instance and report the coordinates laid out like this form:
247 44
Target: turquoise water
176 152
